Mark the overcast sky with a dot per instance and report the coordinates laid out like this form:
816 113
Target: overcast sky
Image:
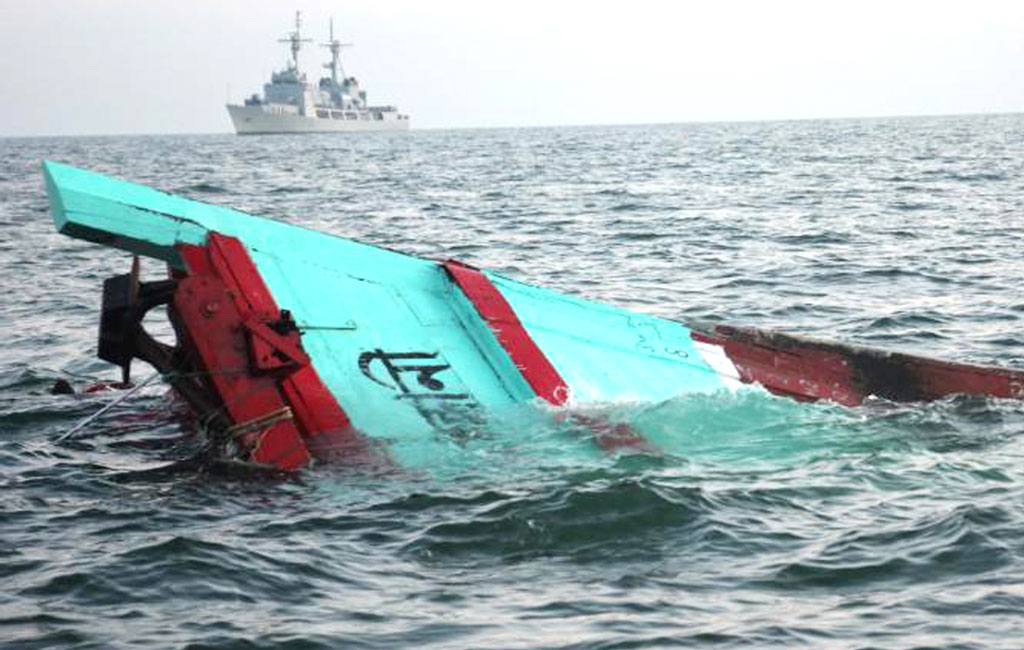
149 66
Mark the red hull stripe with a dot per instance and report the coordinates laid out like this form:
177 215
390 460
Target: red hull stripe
814 370
318 426
531 361
803 375
513 337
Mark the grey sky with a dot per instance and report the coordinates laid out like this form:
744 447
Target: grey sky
147 66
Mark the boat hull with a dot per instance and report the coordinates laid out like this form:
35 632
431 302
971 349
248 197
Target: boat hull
257 120
334 345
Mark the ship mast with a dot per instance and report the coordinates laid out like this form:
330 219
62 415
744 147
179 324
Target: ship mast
295 40
335 46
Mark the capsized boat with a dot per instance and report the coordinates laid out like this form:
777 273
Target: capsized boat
296 346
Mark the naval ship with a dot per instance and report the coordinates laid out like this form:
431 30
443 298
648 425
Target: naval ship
290 104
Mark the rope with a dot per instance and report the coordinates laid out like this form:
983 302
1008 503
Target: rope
262 422
92 418
84 423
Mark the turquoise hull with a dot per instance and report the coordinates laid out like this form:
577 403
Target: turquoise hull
410 354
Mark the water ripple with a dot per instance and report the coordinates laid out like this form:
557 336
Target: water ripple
764 522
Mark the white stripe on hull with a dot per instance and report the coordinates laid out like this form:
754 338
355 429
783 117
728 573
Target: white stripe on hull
714 356
253 120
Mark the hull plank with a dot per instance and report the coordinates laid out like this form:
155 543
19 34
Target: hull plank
816 370
501 319
606 353
413 356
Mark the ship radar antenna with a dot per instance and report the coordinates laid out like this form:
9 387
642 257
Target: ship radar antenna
335 46
295 40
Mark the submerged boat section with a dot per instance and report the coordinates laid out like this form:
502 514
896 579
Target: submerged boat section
296 346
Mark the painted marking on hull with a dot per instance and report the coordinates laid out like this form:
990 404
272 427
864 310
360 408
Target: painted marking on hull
497 313
715 356
453 413
530 360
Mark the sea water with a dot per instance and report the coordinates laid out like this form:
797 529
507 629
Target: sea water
762 522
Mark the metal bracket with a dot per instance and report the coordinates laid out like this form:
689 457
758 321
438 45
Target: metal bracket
125 303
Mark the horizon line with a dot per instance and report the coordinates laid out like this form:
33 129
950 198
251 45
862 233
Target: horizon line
538 126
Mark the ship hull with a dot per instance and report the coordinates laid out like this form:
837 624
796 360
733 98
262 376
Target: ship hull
295 345
255 120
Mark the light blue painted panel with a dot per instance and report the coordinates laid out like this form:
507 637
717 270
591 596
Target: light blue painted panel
146 221
392 337
344 318
351 300
606 353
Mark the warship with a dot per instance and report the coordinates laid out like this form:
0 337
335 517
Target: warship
291 104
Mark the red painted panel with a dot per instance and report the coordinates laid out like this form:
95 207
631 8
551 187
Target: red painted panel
813 370
936 379
803 374
531 361
196 258
256 370
499 316
212 321
231 262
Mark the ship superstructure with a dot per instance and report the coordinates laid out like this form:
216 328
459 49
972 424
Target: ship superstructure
291 104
